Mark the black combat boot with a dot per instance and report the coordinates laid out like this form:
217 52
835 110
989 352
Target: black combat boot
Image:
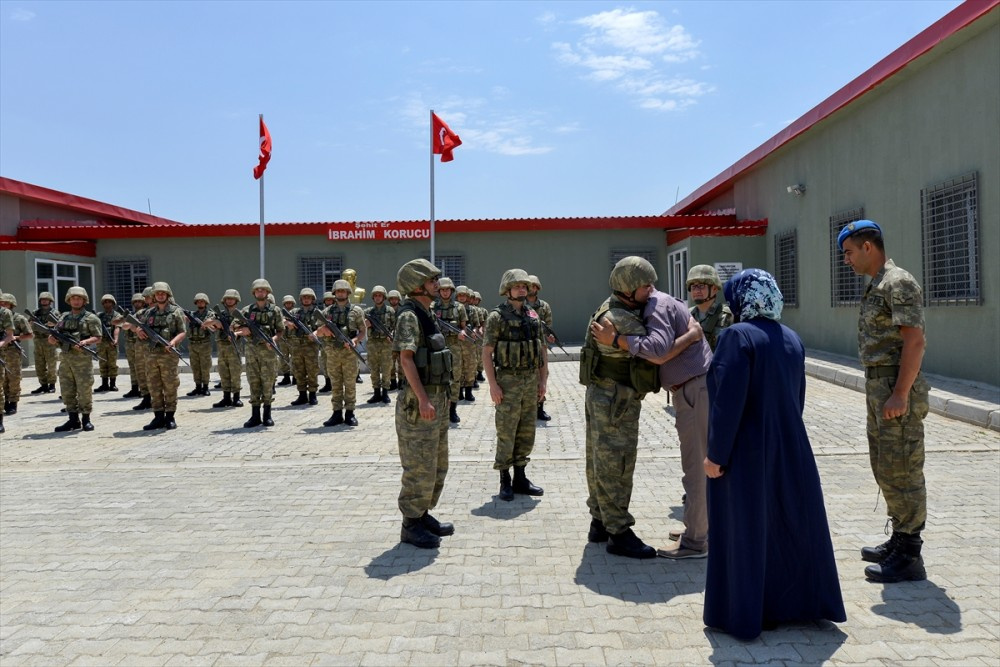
285 380
904 562
168 421
301 400
218 385
42 389
385 396
237 403
358 380
436 527
336 419
506 490
85 422
393 385
196 391
266 417
71 425
468 395
10 408
349 418
597 532
479 376
523 485
312 398
103 387
542 414
882 551
205 391
376 397
453 414
158 421
2 429
416 533
627 544
132 393
145 404
326 388
51 389
227 401
112 384
254 417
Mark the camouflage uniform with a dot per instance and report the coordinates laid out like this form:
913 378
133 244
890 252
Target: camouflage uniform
46 354
162 376
470 350
230 363
713 321
199 341
341 363
305 352
11 380
379 346
6 324
262 363
131 341
452 312
142 350
896 446
76 368
394 371
285 345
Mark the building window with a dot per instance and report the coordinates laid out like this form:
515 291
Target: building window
677 269
57 277
319 273
846 286
786 266
452 266
950 215
125 277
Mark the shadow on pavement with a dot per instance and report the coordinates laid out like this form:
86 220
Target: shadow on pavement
400 559
822 640
921 603
647 581
499 509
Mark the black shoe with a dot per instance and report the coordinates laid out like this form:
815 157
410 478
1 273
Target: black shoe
627 544
158 421
145 404
336 419
112 384
237 403
597 532
542 414
218 385
205 391
453 414
468 395
11 409
523 485
358 379
85 423
436 527
506 490
312 398
326 388
132 393
349 418
103 387
416 533
904 562
168 421
266 417
393 385
385 396
301 400
2 429
475 385
285 380
42 389
196 391
882 551
254 417
51 389
226 402
479 377
376 397
71 425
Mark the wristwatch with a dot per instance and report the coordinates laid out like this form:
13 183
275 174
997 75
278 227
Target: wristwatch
614 342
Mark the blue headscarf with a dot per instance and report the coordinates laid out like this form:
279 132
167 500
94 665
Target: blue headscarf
753 293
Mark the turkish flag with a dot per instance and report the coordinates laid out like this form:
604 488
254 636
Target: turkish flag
444 140
265 150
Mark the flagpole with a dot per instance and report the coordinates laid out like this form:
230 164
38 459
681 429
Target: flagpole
262 216
432 185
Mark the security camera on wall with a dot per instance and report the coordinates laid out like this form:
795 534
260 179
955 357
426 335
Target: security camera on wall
798 189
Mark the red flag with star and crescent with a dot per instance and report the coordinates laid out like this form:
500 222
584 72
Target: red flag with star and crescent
444 140
265 150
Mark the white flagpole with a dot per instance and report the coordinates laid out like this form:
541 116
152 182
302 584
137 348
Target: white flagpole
261 216
432 186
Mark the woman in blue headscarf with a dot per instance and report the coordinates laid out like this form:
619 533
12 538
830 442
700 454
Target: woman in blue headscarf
771 559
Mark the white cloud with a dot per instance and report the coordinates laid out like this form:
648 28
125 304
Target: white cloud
21 14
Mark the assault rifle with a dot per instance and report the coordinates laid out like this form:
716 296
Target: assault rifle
377 323
257 332
151 335
300 325
341 336
105 330
60 336
225 320
552 333
451 328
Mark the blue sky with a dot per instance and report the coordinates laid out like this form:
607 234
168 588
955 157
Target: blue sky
564 108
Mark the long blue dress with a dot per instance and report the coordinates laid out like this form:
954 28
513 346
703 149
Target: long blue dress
771 558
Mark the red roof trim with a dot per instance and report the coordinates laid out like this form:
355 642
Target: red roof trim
77 248
37 193
743 228
954 21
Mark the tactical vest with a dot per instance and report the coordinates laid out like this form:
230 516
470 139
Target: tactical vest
107 332
196 332
379 313
449 313
710 324
341 317
432 357
159 321
70 324
226 319
305 316
518 340
268 318
641 375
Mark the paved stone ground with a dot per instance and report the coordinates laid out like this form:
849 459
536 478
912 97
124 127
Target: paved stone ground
219 545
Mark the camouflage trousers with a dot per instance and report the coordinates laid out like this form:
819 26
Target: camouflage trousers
380 361
10 383
107 359
467 374
612 421
515 417
896 450
162 379
230 367
200 352
423 451
46 358
285 368
342 369
456 367
76 381
262 371
141 354
395 372
305 363
133 373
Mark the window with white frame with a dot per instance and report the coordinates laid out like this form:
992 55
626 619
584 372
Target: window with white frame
950 227
846 286
57 277
677 268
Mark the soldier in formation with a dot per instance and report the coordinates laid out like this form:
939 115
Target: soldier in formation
394 373
544 311
46 354
142 350
709 310
469 345
454 318
131 341
287 302
199 338
6 340
107 349
381 320
229 345
328 300
341 352
165 319
304 348
259 322
76 369
12 354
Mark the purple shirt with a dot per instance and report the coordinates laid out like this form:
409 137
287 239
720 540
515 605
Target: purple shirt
666 319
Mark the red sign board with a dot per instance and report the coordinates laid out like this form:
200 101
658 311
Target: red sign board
378 231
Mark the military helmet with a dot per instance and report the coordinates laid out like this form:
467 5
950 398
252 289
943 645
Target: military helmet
76 290
47 295
137 297
394 294
378 289
512 277
703 273
285 299
446 283
328 295
201 296
231 294
261 282
307 291
109 297
533 279
147 293
462 289
9 298
477 296
412 275
161 286
631 273
341 284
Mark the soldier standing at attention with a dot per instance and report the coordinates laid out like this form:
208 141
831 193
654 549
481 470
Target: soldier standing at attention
421 429
304 350
454 314
341 363
199 340
379 344
891 347
6 338
262 363
76 369
476 299
130 343
107 349
46 353
328 300
394 300
709 311
288 303
470 351
162 378
142 352
544 311
11 380
230 364
514 355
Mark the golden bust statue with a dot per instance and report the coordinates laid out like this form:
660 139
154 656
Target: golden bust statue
351 276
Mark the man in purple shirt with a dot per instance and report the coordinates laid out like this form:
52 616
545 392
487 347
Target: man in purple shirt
667 320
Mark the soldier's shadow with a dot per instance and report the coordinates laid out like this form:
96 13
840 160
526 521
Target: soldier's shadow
652 580
499 509
817 649
122 413
138 433
49 436
922 603
400 559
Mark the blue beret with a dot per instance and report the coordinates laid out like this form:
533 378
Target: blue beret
855 227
